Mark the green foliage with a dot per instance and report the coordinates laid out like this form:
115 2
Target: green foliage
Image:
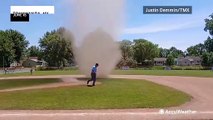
175 52
170 60
163 52
209 25
7 53
190 68
149 68
34 51
144 50
201 49
127 54
56 47
126 49
196 50
209 44
12 46
19 43
207 59
157 68
128 62
211 58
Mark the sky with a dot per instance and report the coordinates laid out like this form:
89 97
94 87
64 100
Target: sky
166 30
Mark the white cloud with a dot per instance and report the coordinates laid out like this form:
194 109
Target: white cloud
162 27
168 25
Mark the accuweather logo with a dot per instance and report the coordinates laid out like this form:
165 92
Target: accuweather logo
174 112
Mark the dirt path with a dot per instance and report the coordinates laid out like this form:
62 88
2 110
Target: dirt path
201 89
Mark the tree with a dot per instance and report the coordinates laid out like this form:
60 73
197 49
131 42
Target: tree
209 44
209 24
127 53
175 52
196 50
163 52
144 50
208 55
34 51
56 47
7 53
170 60
209 27
207 59
12 46
130 62
19 43
211 59
126 49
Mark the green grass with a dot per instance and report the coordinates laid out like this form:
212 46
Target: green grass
43 73
194 73
111 94
6 84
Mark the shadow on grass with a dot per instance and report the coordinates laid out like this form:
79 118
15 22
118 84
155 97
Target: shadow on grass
89 85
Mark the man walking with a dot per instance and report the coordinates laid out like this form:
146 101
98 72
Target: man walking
93 74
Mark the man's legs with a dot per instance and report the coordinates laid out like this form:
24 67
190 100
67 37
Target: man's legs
94 79
90 79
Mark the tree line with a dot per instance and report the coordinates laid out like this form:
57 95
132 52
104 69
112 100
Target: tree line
143 52
55 47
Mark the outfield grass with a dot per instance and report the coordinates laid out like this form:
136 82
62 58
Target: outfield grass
195 73
6 84
43 73
111 94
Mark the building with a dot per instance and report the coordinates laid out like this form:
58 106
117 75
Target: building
188 61
33 62
15 64
160 61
